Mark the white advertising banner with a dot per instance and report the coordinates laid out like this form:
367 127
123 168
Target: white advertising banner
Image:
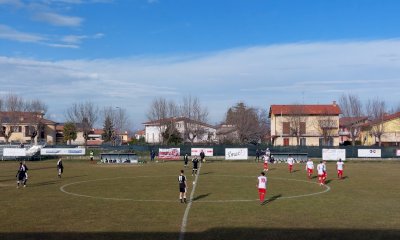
333 154
236 153
398 152
62 151
14 152
209 152
169 153
369 153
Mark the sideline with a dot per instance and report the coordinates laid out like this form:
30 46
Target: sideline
185 216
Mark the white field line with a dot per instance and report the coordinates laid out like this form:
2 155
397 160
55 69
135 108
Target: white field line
62 189
185 216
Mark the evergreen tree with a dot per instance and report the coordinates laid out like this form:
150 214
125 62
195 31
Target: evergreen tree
171 135
108 129
70 132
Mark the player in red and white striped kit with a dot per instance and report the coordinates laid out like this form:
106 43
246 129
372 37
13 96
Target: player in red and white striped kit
340 167
262 186
321 173
309 168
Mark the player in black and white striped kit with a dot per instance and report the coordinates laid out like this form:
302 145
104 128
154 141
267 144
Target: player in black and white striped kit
22 175
195 162
182 187
60 167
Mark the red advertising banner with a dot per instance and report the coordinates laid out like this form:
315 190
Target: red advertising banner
169 153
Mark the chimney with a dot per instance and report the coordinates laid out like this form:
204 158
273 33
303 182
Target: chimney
334 103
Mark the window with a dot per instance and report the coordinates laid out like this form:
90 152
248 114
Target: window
303 142
302 128
286 142
27 132
328 142
286 127
17 128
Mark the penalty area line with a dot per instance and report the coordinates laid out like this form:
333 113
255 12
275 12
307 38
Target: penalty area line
186 215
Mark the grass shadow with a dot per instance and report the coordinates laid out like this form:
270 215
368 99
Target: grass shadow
271 199
206 173
42 184
200 197
328 181
238 233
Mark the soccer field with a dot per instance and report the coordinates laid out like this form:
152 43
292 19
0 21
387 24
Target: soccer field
93 201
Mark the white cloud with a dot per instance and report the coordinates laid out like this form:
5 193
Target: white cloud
260 76
73 39
9 33
59 20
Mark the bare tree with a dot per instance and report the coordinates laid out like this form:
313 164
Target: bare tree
376 110
119 120
351 107
247 122
162 113
1 104
296 121
13 105
195 114
85 114
327 126
38 109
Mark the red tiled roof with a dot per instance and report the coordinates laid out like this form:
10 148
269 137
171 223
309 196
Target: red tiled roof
332 109
140 133
346 121
386 118
24 117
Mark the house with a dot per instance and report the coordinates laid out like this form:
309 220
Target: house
305 125
388 128
80 140
190 130
348 124
95 137
26 127
140 134
227 133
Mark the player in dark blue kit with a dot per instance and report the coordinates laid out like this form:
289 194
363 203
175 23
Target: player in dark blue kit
182 187
22 175
195 162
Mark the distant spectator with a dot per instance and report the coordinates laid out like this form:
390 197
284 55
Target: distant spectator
257 155
202 156
152 155
186 160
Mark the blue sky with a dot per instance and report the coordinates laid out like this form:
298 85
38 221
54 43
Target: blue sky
124 53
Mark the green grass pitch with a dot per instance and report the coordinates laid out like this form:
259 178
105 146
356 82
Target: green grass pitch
95 201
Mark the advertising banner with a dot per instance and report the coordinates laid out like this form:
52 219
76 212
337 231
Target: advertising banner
169 153
398 152
62 151
209 152
14 152
369 153
236 153
333 154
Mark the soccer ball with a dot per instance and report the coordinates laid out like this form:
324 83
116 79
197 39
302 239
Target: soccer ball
194 183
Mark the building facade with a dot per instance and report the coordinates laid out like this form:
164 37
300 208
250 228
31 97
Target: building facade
26 128
388 128
305 125
198 132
